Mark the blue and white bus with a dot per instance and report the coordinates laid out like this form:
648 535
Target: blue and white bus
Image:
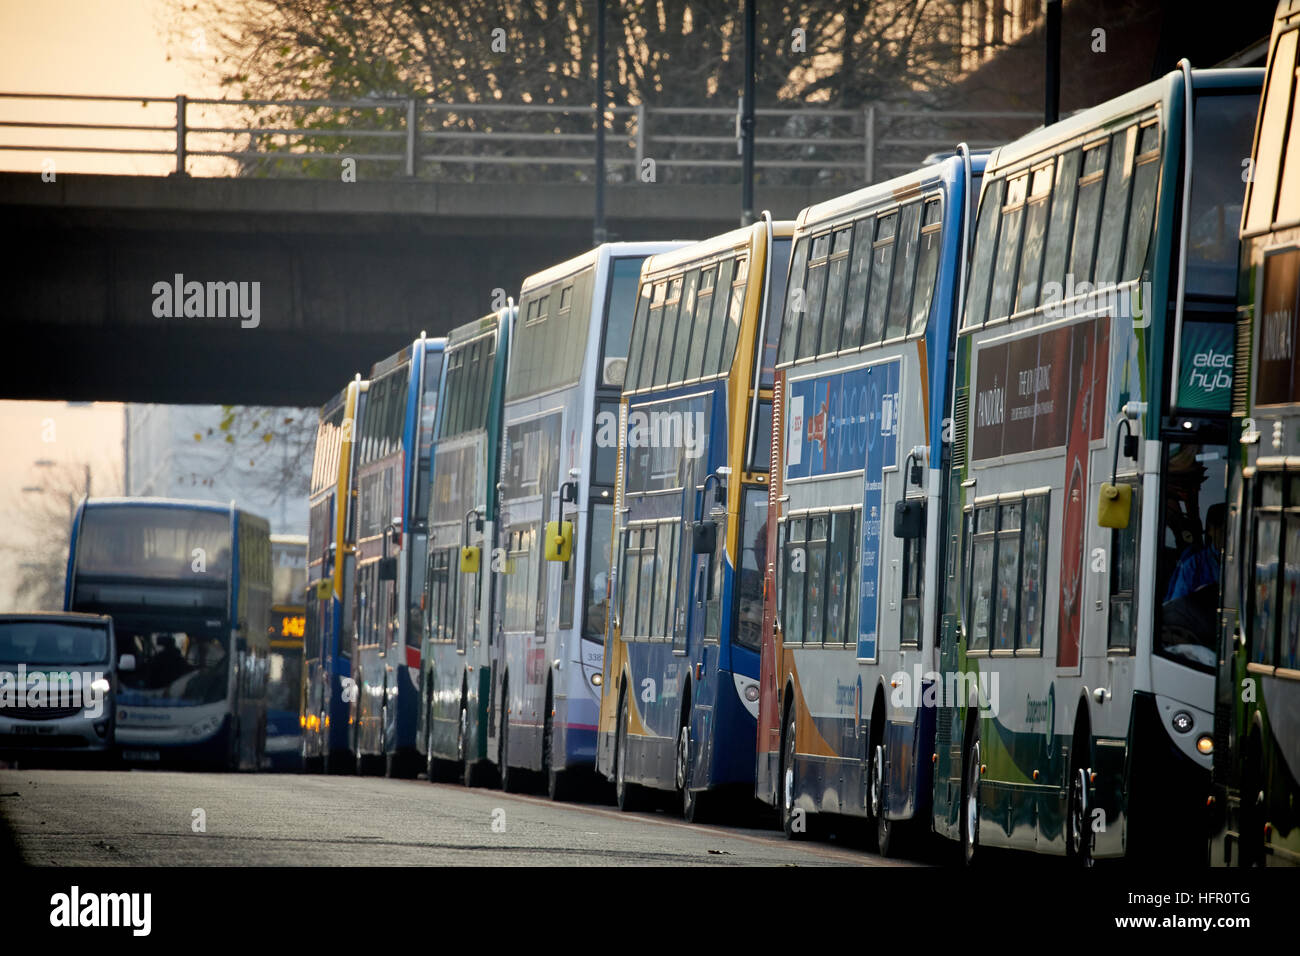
188 585
462 514
567 364
680 706
395 441
856 457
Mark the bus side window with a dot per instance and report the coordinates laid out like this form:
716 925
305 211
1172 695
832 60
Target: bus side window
859 277
1268 540
1088 212
986 234
983 547
794 301
796 565
1006 612
814 294
1114 215
1123 580
832 314
1057 251
900 298
1034 567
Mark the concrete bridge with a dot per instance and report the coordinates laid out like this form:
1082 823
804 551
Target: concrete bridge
447 203
346 273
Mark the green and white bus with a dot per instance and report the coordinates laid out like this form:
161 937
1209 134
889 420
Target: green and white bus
1088 477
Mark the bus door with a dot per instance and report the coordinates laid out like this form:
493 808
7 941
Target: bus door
696 634
1189 550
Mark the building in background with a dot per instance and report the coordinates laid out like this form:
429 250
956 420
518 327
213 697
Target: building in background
255 456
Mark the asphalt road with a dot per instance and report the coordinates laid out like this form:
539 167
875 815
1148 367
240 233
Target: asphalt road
107 818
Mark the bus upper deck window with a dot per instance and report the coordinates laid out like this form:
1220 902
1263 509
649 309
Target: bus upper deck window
1272 132
1225 126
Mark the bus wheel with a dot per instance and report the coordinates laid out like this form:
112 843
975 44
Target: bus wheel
1078 841
558 782
886 830
1251 836
470 772
793 821
629 796
690 798
970 817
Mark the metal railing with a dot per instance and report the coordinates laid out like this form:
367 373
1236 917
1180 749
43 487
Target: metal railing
425 139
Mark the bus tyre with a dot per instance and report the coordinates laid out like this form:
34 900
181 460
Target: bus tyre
1078 836
628 795
509 780
793 822
469 768
886 829
559 783
1251 850
695 804
970 798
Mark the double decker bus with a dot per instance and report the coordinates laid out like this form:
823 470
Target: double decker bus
462 515
331 577
285 633
394 444
1088 478
1256 773
188 585
856 501
567 364
680 674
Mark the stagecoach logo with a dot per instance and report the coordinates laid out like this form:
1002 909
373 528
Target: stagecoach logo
990 406
1043 712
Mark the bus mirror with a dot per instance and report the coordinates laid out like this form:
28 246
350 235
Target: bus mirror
126 662
909 518
559 540
388 569
1114 505
469 559
704 537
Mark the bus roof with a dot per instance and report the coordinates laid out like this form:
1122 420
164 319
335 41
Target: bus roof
898 188
183 503
1101 116
607 250
480 326
783 228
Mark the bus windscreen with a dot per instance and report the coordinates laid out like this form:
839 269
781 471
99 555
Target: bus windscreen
153 542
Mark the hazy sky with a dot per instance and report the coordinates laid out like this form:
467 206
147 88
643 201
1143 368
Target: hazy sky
93 47
98 47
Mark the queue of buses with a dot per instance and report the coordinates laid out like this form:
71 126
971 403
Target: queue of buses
967 503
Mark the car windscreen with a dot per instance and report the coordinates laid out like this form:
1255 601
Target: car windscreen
52 643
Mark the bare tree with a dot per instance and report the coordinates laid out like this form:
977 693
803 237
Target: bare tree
838 53
44 522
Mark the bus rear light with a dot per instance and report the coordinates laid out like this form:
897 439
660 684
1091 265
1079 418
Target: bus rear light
1205 744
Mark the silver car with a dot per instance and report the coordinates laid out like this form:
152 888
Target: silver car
56 686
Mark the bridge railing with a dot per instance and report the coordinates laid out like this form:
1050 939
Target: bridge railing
425 139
